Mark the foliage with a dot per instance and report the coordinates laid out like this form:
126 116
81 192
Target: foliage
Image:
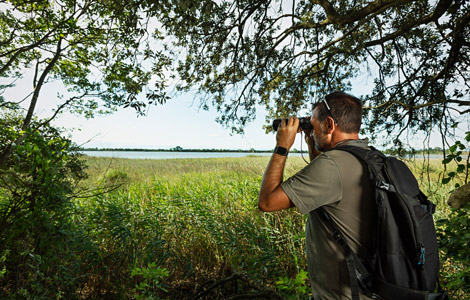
195 218
454 238
106 54
38 244
463 167
97 49
285 55
151 282
294 288
40 175
453 230
242 55
58 242
2 263
115 177
209 226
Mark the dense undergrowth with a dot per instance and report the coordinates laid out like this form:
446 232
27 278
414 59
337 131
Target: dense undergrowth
170 229
198 219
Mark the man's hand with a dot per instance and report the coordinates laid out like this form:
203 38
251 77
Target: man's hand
310 141
286 132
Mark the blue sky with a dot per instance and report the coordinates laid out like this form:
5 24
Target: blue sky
179 122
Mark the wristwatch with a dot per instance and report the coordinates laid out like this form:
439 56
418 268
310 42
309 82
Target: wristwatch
281 151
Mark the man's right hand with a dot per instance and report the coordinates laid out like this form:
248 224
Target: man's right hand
286 132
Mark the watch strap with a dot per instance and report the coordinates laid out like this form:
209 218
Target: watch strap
281 151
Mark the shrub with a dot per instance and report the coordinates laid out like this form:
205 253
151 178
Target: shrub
454 238
454 230
38 243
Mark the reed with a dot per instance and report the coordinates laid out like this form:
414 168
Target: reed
198 218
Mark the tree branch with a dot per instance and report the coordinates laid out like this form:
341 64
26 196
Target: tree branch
435 15
38 87
354 15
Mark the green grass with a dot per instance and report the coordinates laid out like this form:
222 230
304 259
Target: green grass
198 218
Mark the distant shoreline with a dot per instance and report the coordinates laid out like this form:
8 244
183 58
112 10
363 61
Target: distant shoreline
184 150
179 149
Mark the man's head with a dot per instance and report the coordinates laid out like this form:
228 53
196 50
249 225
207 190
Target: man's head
337 119
346 110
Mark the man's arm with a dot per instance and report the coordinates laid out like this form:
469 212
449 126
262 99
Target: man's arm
271 196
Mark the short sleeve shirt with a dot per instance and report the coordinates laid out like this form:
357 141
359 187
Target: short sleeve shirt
338 182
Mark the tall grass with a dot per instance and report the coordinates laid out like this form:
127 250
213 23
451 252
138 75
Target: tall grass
197 218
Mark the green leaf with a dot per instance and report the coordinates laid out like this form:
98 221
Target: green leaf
446 160
445 180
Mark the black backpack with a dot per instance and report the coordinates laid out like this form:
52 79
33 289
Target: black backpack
404 264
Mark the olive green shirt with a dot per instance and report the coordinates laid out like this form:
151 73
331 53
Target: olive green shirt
337 181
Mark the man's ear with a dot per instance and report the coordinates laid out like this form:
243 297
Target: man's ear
331 126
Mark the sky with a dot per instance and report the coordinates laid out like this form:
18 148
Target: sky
179 122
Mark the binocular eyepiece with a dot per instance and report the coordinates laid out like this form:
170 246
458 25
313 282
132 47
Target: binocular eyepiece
304 123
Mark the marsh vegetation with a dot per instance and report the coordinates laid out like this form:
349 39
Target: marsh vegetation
180 229
198 219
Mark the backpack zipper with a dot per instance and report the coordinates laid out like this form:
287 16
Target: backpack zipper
422 255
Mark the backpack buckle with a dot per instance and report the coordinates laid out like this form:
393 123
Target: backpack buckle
382 185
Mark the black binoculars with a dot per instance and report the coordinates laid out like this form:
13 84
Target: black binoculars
304 123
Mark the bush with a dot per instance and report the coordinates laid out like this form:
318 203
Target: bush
454 230
454 238
38 243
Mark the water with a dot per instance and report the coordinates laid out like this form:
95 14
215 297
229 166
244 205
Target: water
173 155
176 155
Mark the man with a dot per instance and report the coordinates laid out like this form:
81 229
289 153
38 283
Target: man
334 180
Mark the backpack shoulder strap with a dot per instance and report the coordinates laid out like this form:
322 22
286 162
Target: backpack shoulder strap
373 157
375 161
359 277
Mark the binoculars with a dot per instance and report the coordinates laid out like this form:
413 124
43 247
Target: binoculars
304 123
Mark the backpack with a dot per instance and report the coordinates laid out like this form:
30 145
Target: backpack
404 262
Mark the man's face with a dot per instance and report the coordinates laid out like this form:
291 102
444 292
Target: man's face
319 132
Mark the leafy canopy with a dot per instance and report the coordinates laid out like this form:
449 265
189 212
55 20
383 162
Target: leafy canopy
106 53
284 55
